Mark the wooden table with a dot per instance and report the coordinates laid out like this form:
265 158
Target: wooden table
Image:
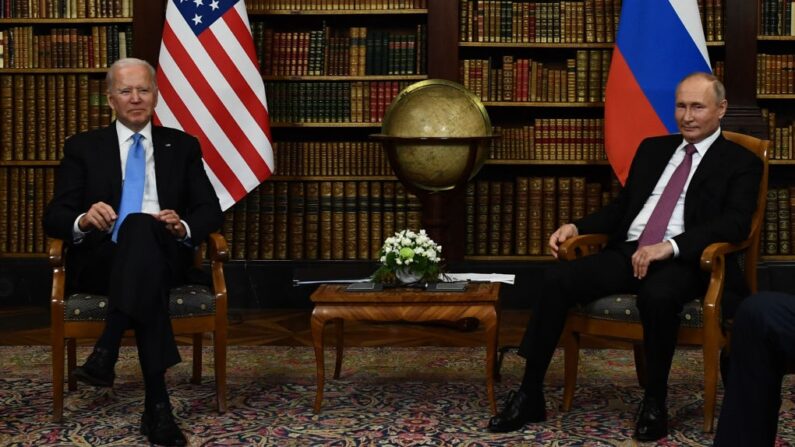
334 304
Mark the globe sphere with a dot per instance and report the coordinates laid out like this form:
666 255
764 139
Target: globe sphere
434 110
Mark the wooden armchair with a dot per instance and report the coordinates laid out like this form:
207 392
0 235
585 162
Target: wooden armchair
617 316
194 310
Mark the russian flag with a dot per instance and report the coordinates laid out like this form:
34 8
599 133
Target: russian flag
659 42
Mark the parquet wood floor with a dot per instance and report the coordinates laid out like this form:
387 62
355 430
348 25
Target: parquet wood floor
30 326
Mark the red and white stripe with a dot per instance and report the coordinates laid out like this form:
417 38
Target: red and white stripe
210 87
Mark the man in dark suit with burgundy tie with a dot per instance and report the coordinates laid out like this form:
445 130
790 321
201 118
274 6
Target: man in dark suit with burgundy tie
683 192
133 202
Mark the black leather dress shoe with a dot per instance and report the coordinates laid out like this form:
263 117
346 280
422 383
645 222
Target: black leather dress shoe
159 427
520 409
652 420
98 369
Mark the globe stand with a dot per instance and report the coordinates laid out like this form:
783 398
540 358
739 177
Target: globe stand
439 203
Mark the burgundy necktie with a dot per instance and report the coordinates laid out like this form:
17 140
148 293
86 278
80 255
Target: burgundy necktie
658 221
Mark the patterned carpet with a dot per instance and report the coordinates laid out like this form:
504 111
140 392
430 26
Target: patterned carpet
386 397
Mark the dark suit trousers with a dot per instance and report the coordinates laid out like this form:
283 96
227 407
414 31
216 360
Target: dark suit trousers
762 341
136 274
661 295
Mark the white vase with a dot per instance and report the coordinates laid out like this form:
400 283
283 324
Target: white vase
406 276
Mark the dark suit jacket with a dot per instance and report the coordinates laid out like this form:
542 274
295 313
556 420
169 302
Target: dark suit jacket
91 172
719 203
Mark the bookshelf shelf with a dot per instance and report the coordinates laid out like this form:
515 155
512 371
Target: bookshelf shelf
777 258
548 162
533 258
11 255
782 162
775 96
567 105
327 178
536 45
348 78
571 45
335 124
75 21
337 12
776 38
52 70
29 163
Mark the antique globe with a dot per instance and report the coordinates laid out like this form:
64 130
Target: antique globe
436 134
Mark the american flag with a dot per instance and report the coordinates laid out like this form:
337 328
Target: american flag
210 87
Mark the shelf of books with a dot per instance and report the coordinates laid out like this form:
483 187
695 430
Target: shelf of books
775 89
541 77
53 56
329 81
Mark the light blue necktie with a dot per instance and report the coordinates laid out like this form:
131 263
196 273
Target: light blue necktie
132 193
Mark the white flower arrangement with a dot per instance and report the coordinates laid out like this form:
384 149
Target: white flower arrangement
409 257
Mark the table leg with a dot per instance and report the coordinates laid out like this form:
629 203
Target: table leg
317 325
491 326
339 326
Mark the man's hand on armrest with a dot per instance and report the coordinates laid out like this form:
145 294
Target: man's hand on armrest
560 236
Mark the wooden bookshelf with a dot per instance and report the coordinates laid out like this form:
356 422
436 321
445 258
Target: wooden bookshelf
443 51
775 89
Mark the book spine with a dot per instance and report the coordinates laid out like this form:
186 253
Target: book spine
238 240
536 245
507 219
296 215
376 219
338 220
388 208
469 213
281 196
253 231
363 220
549 209
351 234
267 221
521 216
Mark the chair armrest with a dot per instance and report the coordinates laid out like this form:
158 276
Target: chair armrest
55 253
713 260
712 254
580 246
218 249
219 253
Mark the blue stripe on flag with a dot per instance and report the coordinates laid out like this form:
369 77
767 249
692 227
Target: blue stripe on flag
659 51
